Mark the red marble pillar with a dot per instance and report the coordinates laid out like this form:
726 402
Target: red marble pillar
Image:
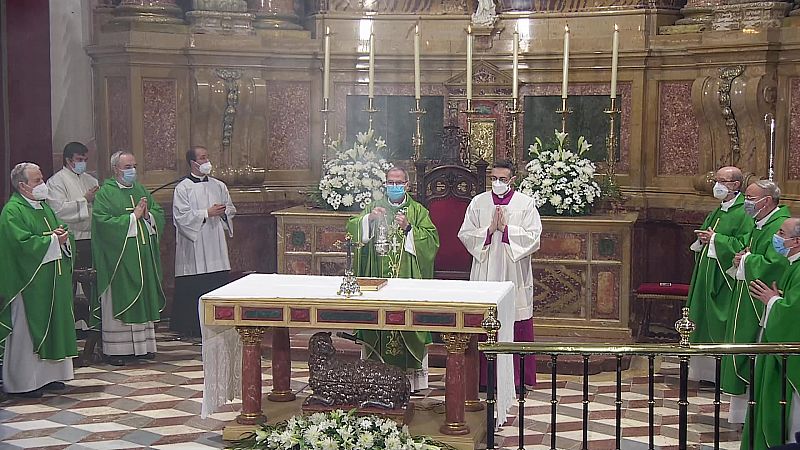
455 392
251 376
281 366
472 375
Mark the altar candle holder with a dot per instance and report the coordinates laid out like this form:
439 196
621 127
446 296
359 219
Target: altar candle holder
515 111
416 140
469 112
370 110
565 111
612 141
326 137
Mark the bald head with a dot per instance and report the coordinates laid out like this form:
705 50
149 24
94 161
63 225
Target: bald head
791 228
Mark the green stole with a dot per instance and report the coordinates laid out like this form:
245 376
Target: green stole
25 237
781 327
131 266
406 349
744 323
711 288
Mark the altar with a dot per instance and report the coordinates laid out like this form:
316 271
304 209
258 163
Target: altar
235 317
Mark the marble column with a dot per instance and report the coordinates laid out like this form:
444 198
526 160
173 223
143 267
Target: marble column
149 11
472 375
454 388
281 367
698 12
251 376
275 14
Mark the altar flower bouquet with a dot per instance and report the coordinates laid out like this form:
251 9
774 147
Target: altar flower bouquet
559 179
354 176
335 430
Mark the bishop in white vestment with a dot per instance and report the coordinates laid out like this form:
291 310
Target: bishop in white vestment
203 213
501 231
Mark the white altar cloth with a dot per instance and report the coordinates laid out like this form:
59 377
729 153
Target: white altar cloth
222 349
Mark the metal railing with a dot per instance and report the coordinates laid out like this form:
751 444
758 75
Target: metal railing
683 351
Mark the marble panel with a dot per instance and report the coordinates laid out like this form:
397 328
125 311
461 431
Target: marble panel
678 130
329 238
582 5
605 292
794 124
289 138
160 126
559 290
331 265
563 246
297 265
399 6
590 89
297 238
606 247
118 97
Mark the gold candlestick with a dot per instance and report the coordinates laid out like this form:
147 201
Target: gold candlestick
612 140
370 110
469 112
564 111
416 140
326 138
515 111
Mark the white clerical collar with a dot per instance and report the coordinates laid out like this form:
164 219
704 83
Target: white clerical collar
36 204
122 186
760 223
794 258
725 206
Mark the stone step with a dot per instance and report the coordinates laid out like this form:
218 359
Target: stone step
629 400
702 433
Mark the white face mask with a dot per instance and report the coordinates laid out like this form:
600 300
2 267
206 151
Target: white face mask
205 168
40 192
720 191
499 188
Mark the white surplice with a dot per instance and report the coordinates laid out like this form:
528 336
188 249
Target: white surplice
200 240
67 198
23 370
499 261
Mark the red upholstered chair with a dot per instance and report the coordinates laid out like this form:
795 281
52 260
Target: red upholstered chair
446 191
648 294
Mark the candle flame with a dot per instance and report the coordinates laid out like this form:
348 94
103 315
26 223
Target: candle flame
566 28
416 29
469 29
616 27
327 30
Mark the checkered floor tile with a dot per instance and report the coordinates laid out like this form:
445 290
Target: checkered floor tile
156 404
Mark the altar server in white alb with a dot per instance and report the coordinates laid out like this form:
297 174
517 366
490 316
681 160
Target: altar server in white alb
203 213
501 231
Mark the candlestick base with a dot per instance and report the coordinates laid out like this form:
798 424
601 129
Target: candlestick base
416 139
565 111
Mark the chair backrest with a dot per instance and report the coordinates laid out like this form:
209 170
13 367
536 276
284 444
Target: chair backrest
447 191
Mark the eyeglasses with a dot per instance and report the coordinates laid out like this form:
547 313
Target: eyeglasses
726 181
502 179
395 183
754 199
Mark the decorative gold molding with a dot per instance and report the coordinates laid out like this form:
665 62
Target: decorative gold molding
251 335
456 342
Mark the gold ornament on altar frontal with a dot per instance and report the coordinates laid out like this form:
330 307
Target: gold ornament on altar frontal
684 327
250 335
491 325
455 342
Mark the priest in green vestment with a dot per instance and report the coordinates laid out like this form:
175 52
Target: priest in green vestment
757 260
126 227
782 308
37 327
718 240
407 245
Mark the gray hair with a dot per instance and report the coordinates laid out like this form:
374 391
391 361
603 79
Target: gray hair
398 169
796 229
18 174
115 158
771 188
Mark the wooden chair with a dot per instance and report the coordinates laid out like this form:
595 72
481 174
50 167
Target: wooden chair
648 294
87 277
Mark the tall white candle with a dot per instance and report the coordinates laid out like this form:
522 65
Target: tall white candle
371 64
326 71
417 79
469 62
515 65
565 72
614 61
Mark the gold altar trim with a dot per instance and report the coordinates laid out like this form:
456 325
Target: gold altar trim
317 212
588 221
640 349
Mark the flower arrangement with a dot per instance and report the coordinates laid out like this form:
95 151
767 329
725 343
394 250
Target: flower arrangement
335 430
561 180
354 177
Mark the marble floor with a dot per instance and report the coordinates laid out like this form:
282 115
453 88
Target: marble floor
156 404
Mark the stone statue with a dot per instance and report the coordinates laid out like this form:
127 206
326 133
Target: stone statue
485 15
355 383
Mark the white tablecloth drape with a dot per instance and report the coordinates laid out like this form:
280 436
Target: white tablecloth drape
222 349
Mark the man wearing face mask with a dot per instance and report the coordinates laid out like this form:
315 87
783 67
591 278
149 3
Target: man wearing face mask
781 302
202 212
501 231
72 192
756 261
37 329
718 240
414 242
126 229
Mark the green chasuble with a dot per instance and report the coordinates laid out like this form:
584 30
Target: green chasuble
781 327
402 349
711 288
765 264
25 237
131 266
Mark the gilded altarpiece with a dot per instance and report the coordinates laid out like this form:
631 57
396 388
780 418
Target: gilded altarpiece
582 271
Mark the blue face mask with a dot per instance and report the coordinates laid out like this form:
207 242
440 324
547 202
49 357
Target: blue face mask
80 167
129 175
395 192
779 244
